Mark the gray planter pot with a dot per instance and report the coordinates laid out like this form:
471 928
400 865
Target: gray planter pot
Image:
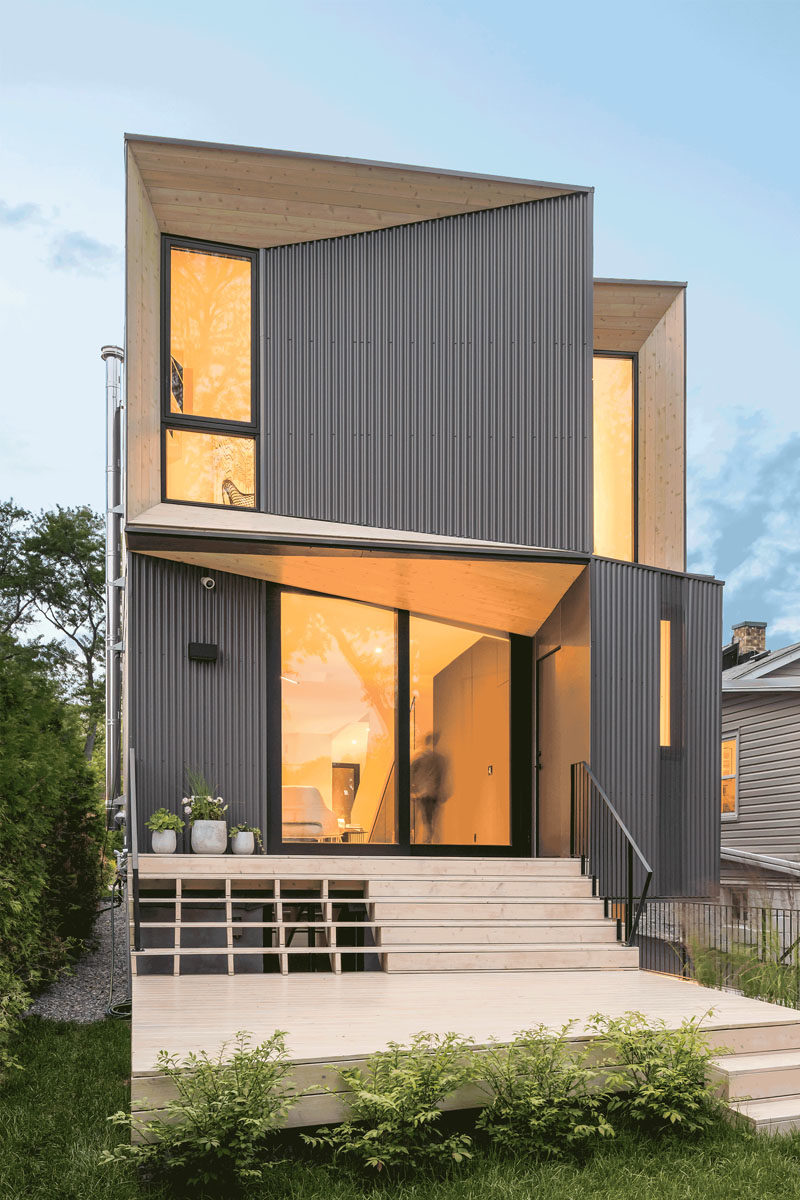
164 841
243 843
209 837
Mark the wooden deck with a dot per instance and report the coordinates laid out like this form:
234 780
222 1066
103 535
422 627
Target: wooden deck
331 1019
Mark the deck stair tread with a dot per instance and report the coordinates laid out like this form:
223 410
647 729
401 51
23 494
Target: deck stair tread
404 948
767 1060
398 923
773 1108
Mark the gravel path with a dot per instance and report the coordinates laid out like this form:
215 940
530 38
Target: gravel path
82 994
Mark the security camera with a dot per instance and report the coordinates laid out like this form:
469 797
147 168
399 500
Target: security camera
208 583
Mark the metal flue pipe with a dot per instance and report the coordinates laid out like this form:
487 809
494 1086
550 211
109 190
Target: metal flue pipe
113 358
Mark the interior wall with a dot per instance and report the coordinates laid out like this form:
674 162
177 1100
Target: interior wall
142 346
471 715
563 709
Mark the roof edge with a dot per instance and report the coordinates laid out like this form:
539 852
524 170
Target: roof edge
642 282
143 139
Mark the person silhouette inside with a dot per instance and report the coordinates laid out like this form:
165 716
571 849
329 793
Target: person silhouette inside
430 785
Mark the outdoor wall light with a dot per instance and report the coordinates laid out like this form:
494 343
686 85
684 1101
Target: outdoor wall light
203 651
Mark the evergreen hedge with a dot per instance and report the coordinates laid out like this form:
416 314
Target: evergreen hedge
51 831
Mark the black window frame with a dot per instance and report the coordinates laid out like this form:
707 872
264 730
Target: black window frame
177 421
633 358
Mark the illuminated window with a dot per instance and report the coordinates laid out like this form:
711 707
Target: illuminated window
665 698
209 427
210 335
729 797
210 468
614 457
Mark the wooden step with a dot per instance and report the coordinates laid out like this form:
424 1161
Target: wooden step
490 888
343 866
553 957
514 907
759 1076
775 1115
498 933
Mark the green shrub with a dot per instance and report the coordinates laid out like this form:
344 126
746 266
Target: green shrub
51 831
396 1108
543 1102
220 1129
658 1078
755 971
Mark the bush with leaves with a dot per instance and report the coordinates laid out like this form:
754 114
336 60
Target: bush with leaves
395 1122
220 1129
544 1101
658 1078
51 830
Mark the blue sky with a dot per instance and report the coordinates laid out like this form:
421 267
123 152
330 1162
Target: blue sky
684 117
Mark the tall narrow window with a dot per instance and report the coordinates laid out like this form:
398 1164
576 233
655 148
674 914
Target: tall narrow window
209 418
614 457
729 767
665 696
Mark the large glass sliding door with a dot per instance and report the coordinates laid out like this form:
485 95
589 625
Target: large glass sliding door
395 730
338 700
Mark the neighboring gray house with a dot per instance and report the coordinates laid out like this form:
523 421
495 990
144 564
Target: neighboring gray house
760 789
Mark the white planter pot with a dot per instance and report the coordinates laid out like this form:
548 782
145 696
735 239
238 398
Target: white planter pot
243 843
164 841
209 837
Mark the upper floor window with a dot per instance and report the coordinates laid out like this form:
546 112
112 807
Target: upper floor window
730 789
614 456
209 418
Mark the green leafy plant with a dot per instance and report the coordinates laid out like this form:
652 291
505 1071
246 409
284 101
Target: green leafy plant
221 1127
544 1099
162 819
396 1108
256 832
204 808
657 1077
196 783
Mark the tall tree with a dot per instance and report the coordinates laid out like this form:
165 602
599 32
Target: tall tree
16 597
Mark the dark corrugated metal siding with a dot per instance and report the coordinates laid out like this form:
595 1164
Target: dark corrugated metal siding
701 759
768 777
436 377
208 715
669 799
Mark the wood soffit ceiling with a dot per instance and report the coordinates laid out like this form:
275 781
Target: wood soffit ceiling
262 198
626 311
515 597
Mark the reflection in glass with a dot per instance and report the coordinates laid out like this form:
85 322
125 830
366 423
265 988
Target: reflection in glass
210 468
613 457
460 787
338 699
665 703
210 335
729 775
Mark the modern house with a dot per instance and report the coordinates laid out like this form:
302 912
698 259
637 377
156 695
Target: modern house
404 519
760 790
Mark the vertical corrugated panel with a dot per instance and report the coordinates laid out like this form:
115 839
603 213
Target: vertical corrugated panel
670 802
702 733
436 377
208 715
625 690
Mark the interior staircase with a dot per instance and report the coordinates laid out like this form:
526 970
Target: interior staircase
397 914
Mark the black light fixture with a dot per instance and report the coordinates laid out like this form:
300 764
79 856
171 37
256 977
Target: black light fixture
203 651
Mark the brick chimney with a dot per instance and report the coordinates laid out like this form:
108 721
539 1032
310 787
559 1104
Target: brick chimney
751 636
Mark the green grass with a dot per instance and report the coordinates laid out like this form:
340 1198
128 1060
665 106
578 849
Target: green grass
53 1126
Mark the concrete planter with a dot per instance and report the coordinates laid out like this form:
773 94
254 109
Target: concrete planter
243 843
164 841
209 837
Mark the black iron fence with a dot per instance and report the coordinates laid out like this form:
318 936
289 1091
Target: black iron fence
751 949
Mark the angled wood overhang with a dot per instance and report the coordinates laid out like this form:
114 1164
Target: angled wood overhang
648 318
259 198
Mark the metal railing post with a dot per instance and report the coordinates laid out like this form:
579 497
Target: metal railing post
629 895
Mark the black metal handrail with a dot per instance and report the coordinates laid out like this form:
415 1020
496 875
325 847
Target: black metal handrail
607 850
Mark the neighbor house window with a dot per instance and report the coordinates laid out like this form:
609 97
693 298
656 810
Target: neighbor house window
614 456
730 762
209 419
665 694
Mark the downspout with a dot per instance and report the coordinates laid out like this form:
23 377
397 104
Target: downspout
113 358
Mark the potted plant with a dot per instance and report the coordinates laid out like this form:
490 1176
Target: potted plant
165 827
244 838
206 815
